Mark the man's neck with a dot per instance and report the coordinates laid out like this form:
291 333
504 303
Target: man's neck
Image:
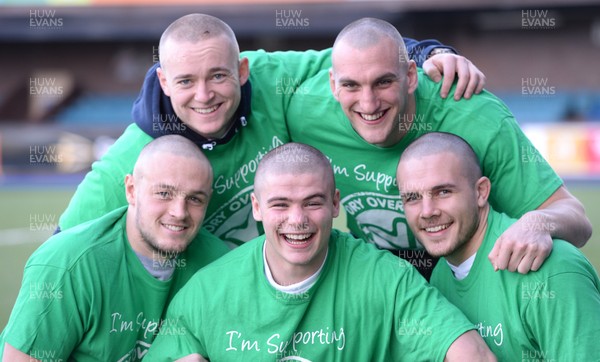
470 247
286 274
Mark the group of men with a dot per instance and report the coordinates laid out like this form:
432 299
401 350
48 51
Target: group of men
217 144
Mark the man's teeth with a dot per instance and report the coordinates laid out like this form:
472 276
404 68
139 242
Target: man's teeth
173 227
206 110
435 229
300 238
371 117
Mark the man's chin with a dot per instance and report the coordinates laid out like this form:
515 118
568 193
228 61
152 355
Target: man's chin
208 127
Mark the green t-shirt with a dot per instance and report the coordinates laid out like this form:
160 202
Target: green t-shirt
94 300
366 174
366 305
274 77
551 315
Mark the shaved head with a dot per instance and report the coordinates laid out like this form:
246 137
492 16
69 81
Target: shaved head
194 28
367 32
167 194
294 158
439 142
171 144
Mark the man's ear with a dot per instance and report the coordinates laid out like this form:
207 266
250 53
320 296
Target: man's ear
483 187
332 84
413 80
129 189
255 207
162 78
244 71
336 203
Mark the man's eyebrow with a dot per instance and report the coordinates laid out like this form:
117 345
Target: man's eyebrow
210 71
277 198
169 187
183 76
443 186
318 195
386 76
198 192
346 80
165 186
220 69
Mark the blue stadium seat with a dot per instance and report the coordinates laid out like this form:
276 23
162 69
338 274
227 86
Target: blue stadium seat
94 108
553 108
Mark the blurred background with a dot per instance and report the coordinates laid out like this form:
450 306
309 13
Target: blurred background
71 70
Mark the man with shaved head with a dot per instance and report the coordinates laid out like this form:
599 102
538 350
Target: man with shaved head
305 292
98 291
550 315
232 106
378 102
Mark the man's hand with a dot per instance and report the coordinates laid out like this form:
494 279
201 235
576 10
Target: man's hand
523 246
528 242
470 78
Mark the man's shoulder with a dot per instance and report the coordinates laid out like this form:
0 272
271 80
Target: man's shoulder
236 262
566 258
93 239
428 93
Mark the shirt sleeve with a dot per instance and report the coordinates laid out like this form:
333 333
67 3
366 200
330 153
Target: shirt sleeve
424 320
46 321
103 188
521 178
563 316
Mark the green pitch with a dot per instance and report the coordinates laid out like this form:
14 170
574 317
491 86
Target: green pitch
29 216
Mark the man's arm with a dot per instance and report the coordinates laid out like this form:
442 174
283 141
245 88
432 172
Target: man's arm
469 347
11 354
524 185
528 242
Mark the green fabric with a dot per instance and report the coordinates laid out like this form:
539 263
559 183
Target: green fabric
94 300
275 77
552 314
366 305
366 174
